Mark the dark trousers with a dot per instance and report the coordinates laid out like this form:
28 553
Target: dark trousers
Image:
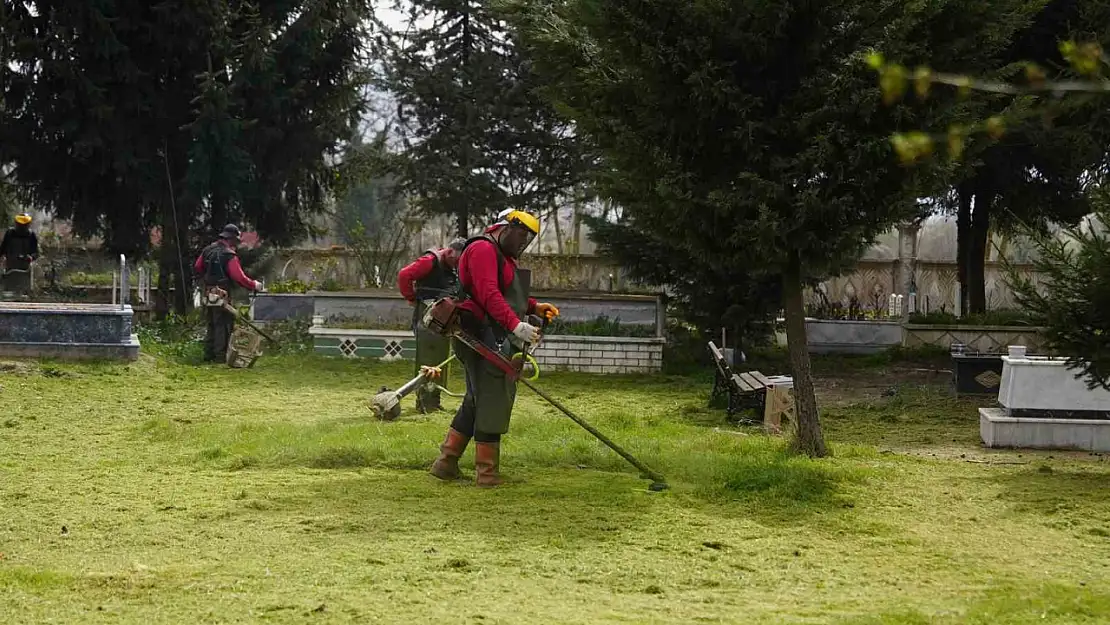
487 390
220 325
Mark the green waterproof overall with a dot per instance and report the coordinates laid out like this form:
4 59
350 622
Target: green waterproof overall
490 395
431 348
221 323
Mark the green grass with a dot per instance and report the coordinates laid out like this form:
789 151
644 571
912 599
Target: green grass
199 494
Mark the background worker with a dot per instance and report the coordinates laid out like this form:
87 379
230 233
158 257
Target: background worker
218 265
430 277
19 248
495 297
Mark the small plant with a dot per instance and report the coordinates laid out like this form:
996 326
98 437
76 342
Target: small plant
600 326
332 284
989 318
293 285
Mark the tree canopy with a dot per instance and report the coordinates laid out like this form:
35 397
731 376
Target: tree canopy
476 136
1033 169
127 115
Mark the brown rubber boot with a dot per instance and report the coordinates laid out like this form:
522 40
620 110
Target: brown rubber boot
487 457
446 466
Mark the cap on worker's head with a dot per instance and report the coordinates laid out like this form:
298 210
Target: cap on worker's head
231 231
23 219
511 216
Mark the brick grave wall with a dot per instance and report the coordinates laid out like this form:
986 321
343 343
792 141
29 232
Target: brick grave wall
589 354
601 354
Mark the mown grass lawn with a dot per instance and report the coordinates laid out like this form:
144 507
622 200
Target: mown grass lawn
161 492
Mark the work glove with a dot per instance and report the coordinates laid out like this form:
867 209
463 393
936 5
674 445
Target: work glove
259 287
526 333
547 311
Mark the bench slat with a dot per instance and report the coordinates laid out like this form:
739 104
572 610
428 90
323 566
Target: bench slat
752 382
759 377
743 385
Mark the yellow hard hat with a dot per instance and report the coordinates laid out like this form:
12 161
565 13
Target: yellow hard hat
23 219
519 218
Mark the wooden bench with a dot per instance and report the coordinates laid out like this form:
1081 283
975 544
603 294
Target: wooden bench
751 389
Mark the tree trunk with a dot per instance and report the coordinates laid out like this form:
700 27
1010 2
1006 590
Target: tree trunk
558 232
963 237
809 439
576 225
173 270
462 212
977 252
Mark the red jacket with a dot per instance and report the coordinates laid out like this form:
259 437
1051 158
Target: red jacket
234 271
478 275
416 270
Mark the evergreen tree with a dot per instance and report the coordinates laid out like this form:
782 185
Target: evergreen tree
477 137
705 294
1070 302
749 133
125 115
1034 174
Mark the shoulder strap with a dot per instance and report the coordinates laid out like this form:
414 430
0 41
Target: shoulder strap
435 258
498 252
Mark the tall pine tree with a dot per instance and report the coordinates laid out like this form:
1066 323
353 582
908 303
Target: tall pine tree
477 136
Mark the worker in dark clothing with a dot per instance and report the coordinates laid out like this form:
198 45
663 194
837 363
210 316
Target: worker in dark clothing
218 266
426 279
18 250
495 297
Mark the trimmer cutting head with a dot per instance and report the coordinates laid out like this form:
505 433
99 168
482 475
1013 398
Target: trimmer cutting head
386 405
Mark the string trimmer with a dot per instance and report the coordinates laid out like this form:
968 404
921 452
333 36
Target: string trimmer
386 405
443 317
215 296
240 317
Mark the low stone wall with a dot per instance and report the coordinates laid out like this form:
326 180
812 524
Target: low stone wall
590 354
984 339
851 337
601 354
389 309
387 345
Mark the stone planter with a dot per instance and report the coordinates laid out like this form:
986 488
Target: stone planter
1044 406
851 337
381 308
281 306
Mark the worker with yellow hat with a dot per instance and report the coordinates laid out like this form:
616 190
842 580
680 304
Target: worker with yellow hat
495 294
18 249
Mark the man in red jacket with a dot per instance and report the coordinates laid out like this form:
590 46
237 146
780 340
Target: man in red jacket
218 265
428 278
495 294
